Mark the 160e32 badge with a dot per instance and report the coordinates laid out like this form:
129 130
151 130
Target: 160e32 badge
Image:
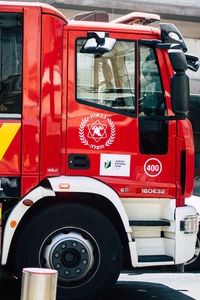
97 131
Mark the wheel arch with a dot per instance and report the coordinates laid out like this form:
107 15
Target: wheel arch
106 206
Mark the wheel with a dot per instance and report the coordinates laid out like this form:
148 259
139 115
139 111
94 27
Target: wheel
77 241
194 262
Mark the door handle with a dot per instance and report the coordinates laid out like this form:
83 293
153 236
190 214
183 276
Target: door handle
78 162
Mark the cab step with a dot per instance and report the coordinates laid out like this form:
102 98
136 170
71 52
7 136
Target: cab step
154 258
149 223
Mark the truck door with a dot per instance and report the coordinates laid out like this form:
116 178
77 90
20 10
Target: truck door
107 122
11 32
157 135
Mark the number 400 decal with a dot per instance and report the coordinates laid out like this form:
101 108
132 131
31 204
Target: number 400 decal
153 167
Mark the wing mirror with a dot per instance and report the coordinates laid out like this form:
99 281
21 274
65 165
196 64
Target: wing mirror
193 62
98 42
170 34
179 83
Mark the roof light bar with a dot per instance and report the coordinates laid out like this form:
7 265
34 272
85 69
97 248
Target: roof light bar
137 18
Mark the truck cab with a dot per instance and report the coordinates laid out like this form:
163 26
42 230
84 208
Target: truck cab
97 152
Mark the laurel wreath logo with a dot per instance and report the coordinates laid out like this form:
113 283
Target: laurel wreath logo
113 133
84 141
81 131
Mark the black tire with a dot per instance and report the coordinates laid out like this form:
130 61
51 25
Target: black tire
194 262
41 244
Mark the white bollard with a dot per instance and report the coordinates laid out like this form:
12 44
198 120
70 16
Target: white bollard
39 284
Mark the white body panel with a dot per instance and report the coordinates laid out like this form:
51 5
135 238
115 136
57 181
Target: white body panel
167 241
145 240
81 184
185 243
195 202
17 214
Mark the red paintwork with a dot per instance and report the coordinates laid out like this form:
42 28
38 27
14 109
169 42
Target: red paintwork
0 224
51 96
51 116
126 142
185 142
31 99
64 104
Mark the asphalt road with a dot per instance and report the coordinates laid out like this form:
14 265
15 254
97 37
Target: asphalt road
158 286
140 284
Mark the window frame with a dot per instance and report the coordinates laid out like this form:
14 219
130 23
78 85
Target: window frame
102 106
159 71
16 115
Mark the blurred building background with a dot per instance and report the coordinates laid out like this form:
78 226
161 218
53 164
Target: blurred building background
184 14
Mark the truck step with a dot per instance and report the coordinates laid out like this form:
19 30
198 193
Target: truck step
149 223
154 258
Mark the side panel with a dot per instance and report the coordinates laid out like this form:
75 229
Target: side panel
31 99
51 96
186 158
11 36
64 103
108 137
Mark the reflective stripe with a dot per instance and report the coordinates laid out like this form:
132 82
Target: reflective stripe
7 134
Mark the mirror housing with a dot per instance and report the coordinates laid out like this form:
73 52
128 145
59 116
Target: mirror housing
178 60
170 34
193 62
179 83
98 42
180 94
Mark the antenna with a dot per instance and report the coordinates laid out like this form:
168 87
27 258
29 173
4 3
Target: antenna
113 9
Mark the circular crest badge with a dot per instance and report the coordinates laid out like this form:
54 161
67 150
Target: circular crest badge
97 131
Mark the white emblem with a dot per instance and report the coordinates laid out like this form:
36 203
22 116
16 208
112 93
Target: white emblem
97 131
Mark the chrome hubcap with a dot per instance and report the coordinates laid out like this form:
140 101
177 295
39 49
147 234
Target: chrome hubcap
72 253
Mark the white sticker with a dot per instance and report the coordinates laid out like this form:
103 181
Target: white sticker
153 167
115 165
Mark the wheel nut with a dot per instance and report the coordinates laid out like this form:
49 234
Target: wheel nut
84 261
74 244
83 250
56 254
78 271
58 266
63 246
67 272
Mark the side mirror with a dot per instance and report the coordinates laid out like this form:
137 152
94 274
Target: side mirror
193 62
178 60
170 34
179 83
98 42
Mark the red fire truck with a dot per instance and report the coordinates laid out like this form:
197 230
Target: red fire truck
96 154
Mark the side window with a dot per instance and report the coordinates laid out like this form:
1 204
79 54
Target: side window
153 132
152 99
107 81
11 64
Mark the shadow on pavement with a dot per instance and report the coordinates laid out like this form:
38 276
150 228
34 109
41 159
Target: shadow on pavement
124 290
144 291
10 289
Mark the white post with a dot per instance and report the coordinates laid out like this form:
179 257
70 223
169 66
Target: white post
39 284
